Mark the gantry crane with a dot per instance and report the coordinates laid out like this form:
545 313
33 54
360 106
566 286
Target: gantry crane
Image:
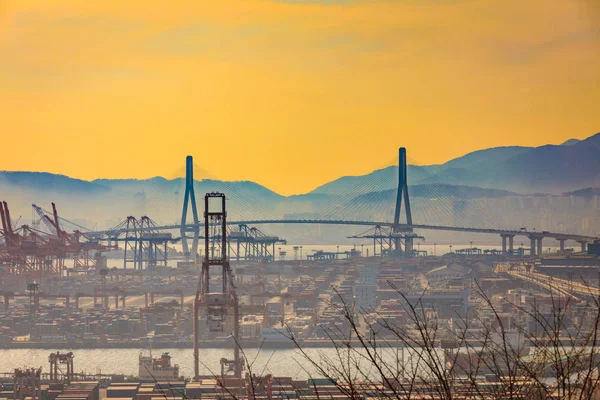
56 373
143 243
389 240
45 219
28 252
77 244
214 301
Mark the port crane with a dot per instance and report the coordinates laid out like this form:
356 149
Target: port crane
28 252
214 300
45 219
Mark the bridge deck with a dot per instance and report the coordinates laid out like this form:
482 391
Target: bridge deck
554 235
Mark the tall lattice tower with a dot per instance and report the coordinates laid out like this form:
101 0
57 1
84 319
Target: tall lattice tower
213 300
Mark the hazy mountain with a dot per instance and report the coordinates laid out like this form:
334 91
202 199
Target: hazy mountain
550 168
387 177
49 182
436 191
107 202
587 192
378 180
492 173
177 187
570 142
475 159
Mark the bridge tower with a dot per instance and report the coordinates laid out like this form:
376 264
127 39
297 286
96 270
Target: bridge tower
189 197
402 193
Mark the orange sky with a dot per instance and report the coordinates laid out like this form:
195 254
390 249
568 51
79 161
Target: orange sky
288 94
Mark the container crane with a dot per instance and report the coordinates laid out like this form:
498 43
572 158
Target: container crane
215 302
45 219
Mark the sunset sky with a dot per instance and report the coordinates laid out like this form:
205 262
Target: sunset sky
289 94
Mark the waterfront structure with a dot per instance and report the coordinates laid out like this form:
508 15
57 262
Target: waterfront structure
157 369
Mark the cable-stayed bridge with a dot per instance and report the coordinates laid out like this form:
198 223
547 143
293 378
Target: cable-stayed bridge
387 208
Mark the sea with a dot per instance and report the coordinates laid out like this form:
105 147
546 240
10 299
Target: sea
280 363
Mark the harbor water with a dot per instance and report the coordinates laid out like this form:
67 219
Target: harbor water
285 362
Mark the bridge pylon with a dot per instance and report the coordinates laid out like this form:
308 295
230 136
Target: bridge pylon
189 197
402 193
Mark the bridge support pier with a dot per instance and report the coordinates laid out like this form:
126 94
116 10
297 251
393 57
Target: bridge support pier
535 244
583 245
532 242
561 245
510 239
408 245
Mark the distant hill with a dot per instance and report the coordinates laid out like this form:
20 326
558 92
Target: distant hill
587 192
386 177
570 142
476 159
437 191
160 185
108 201
548 169
378 180
492 173
50 182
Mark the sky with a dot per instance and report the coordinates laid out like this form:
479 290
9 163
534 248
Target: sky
289 94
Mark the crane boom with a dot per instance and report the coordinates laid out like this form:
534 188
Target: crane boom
47 221
8 221
56 223
3 216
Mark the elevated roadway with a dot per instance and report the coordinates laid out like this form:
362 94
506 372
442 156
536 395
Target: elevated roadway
507 235
556 285
545 234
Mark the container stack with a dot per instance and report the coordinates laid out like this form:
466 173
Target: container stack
126 390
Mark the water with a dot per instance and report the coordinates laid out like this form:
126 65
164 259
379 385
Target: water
286 362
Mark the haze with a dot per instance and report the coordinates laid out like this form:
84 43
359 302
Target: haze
288 94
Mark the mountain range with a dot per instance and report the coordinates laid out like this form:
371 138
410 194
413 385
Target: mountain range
498 172
554 169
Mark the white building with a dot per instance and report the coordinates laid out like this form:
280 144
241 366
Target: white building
274 334
251 327
369 274
365 297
